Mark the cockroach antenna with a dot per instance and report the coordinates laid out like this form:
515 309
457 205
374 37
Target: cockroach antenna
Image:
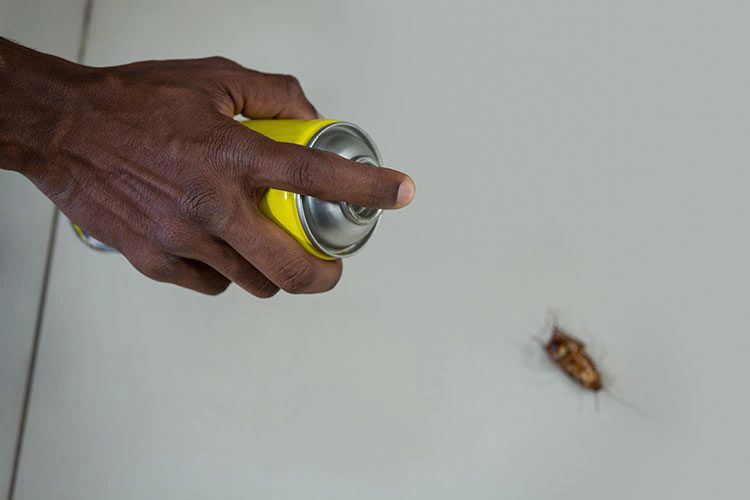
629 405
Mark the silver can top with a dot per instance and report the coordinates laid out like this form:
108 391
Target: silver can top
339 229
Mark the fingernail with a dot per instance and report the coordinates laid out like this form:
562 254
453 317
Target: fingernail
405 193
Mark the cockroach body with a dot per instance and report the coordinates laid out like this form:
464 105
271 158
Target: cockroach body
570 355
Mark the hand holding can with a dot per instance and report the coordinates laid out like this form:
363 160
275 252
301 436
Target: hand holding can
328 230
147 159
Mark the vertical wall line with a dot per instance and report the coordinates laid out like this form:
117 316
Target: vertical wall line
82 44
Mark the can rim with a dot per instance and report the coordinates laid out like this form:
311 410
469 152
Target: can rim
299 198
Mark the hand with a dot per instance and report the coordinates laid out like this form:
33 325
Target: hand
147 158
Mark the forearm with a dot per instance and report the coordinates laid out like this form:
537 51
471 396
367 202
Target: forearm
36 93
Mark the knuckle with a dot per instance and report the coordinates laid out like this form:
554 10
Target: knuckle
301 170
199 204
333 284
171 236
158 266
291 86
224 152
266 290
220 61
217 286
296 276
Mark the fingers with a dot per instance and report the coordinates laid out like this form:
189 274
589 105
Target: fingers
316 173
281 259
207 251
330 177
186 273
206 265
296 168
267 95
252 93
233 266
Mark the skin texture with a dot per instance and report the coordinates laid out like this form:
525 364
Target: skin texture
147 158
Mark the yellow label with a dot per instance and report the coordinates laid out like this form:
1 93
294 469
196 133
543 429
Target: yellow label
293 131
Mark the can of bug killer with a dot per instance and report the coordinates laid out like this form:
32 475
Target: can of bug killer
90 241
329 230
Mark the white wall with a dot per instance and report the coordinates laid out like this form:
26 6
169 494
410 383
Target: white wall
584 155
25 223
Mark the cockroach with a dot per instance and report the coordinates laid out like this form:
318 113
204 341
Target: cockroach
569 354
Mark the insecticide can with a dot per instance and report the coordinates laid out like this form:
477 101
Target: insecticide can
329 230
90 241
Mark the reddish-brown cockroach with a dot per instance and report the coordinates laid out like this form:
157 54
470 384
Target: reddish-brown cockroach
569 354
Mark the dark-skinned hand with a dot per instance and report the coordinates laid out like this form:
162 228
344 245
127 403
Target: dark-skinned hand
147 158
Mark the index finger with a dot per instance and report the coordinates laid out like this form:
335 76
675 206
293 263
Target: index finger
322 174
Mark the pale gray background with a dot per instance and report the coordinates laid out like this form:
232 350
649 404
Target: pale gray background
25 221
585 155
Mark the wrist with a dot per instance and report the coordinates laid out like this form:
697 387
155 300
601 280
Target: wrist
37 96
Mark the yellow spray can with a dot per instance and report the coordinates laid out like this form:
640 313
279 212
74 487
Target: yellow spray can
328 230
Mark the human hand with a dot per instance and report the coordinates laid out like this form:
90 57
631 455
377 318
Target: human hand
147 158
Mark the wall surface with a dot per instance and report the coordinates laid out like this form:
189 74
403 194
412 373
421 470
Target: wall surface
588 156
25 223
